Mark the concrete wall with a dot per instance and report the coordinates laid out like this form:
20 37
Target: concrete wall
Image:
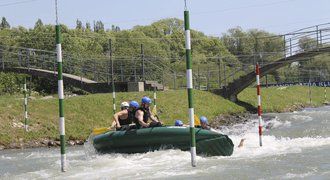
135 86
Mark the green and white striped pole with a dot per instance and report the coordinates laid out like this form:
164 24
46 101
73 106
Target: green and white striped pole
112 76
190 87
60 91
155 97
25 106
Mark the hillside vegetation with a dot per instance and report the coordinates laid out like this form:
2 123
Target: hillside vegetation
83 113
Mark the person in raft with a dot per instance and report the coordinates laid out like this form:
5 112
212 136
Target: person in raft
178 123
123 118
143 114
204 123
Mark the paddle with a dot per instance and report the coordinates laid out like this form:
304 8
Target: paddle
97 131
154 112
197 121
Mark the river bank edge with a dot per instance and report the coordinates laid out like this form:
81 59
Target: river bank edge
221 120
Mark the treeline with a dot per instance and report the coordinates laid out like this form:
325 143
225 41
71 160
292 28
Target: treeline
163 39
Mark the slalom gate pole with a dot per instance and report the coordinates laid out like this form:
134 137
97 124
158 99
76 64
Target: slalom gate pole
190 87
259 103
310 93
310 88
112 79
325 94
60 90
155 97
25 106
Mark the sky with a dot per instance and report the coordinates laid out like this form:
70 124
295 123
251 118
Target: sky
213 17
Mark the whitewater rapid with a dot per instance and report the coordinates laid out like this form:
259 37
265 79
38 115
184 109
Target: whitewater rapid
295 145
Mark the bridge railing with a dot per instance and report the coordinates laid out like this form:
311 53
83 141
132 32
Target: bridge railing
95 68
307 39
304 40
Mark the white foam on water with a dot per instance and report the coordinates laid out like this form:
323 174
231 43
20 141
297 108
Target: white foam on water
302 118
86 164
89 149
252 126
274 146
6 157
276 123
138 166
170 163
41 174
303 175
46 153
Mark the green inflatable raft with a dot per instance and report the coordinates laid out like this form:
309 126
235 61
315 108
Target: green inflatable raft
208 143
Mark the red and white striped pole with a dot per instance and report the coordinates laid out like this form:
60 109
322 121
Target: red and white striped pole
325 94
259 103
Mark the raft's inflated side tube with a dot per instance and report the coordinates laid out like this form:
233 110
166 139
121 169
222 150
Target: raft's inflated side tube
149 139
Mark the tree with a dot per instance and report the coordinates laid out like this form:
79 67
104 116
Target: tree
98 26
115 28
235 40
79 24
38 24
4 24
169 26
88 26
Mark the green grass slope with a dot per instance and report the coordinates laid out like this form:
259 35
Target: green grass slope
83 113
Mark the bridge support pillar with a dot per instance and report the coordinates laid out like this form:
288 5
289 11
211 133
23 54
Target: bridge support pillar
135 86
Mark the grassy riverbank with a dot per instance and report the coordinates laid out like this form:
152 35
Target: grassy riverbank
83 113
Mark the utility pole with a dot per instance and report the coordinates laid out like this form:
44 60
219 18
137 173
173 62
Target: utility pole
19 57
224 74
219 72
134 65
198 78
112 76
208 78
310 89
174 80
121 71
142 57
28 59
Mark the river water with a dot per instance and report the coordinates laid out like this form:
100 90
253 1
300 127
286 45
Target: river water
296 145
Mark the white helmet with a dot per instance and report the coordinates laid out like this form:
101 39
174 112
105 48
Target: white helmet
124 104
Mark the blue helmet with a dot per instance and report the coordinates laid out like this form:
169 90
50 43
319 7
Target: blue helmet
178 123
134 104
146 100
203 119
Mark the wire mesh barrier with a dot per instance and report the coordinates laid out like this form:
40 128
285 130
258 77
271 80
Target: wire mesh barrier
209 73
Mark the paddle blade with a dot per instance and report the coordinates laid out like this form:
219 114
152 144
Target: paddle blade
97 131
154 111
197 121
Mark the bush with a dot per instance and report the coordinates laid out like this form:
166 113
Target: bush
11 83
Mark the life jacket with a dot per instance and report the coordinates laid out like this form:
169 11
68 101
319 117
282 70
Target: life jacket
128 120
146 115
207 127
